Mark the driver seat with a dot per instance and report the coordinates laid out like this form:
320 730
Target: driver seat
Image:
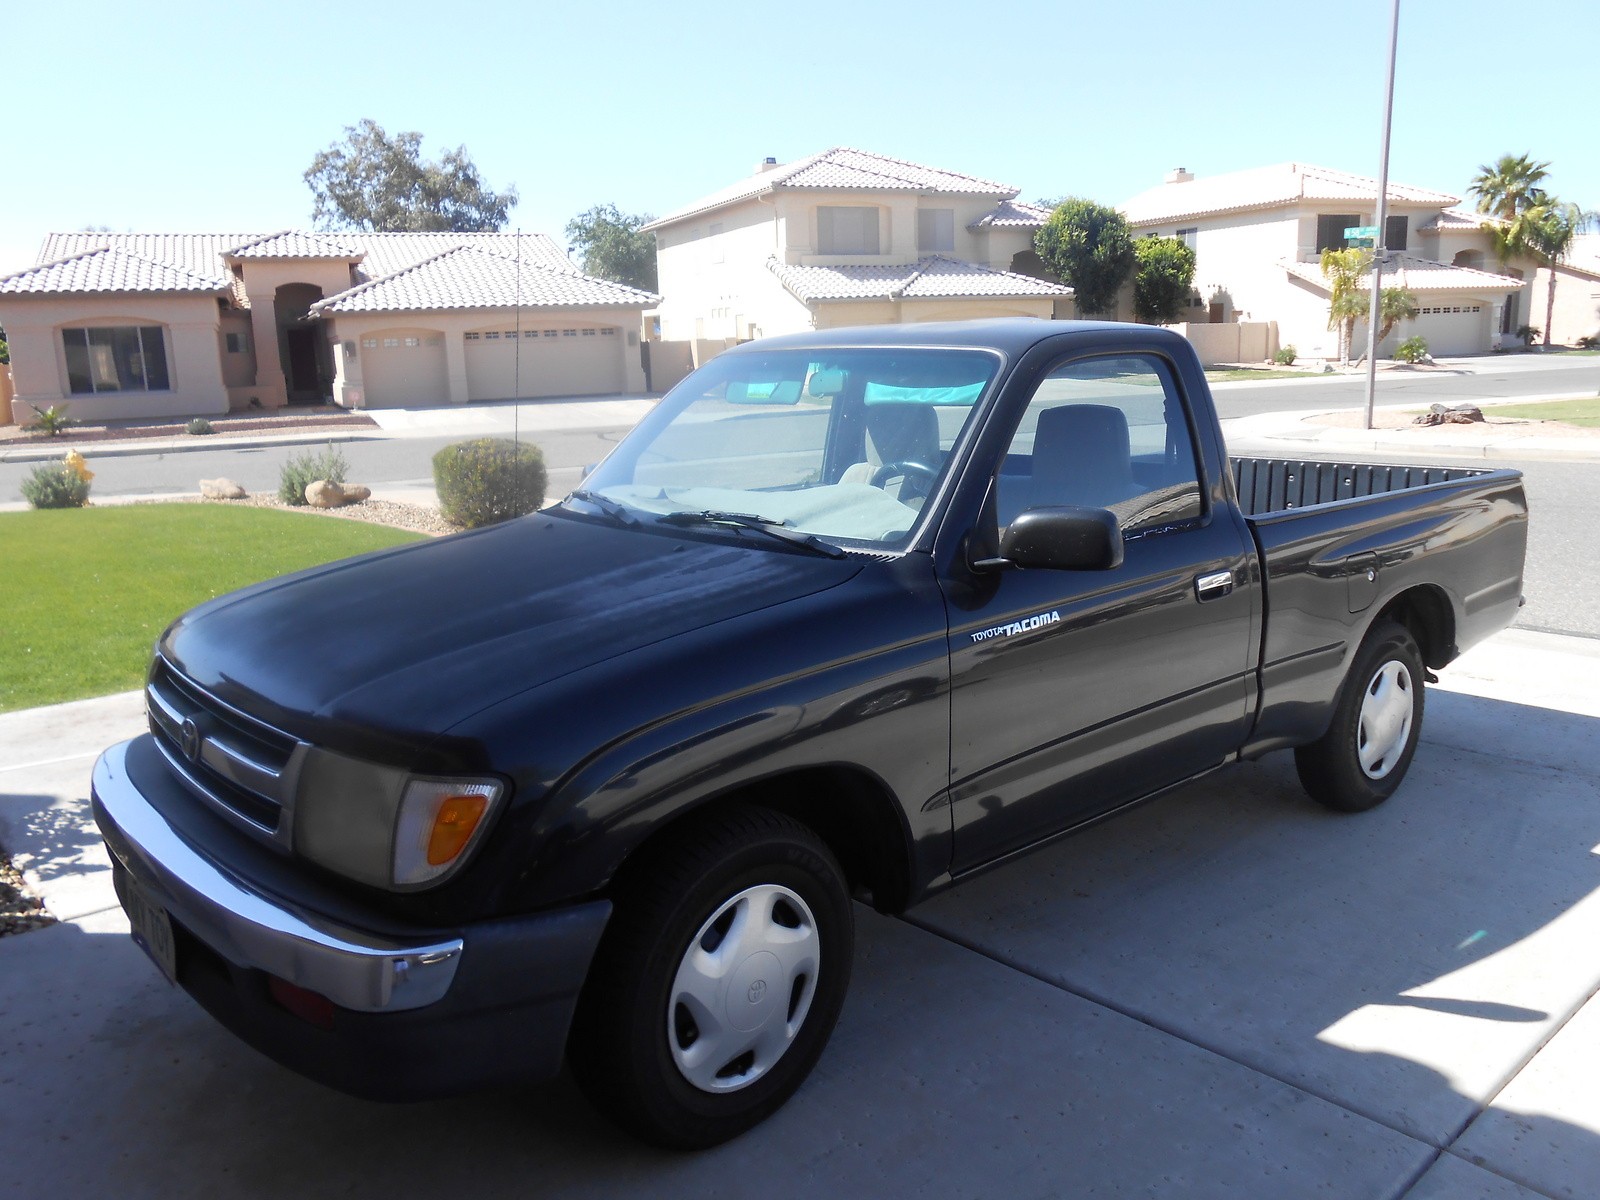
897 433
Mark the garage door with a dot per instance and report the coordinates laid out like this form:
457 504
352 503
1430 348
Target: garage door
1460 327
566 360
404 368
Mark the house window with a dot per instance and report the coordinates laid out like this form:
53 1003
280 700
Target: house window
1394 233
391 343
372 343
1189 236
413 341
116 358
1330 230
471 337
492 335
569 333
588 333
847 230
236 343
936 229
608 332
550 333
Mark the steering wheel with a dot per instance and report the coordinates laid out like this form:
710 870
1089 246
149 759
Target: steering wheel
909 470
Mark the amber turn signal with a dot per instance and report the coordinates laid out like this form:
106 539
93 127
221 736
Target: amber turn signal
452 828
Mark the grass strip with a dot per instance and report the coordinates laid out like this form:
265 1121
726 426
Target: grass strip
84 593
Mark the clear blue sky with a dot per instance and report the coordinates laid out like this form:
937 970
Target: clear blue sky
204 116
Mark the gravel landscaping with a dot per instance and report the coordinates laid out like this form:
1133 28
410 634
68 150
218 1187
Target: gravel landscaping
20 909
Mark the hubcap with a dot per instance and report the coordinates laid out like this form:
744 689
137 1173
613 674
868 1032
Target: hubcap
743 988
1385 726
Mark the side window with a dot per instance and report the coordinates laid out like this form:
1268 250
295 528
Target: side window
1105 433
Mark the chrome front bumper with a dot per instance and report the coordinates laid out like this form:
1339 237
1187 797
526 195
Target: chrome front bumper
354 968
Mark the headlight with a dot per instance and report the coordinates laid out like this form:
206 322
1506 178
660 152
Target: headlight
387 827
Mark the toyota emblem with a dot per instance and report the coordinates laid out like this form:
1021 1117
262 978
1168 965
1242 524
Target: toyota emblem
189 739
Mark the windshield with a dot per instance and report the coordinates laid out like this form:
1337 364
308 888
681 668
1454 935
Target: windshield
844 444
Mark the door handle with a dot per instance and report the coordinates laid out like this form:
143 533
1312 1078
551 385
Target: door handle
1213 586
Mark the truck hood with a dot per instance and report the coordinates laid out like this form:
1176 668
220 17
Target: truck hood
397 647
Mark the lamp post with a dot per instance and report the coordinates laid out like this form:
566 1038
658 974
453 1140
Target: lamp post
1379 247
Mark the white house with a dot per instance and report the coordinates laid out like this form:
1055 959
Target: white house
1258 236
846 238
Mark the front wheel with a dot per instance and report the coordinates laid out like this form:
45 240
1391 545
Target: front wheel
1367 749
719 981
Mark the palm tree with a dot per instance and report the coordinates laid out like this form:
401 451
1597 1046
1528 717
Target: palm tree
1509 186
1345 271
1395 304
1546 232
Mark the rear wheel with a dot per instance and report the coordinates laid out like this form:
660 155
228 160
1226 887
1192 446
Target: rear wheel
719 980
1367 749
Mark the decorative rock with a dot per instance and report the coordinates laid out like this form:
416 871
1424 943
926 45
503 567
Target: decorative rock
222 489
355 493
324 494
1461 414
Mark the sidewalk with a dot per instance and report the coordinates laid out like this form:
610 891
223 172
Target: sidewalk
1228 993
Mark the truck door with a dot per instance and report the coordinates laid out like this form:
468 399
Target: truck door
1076 691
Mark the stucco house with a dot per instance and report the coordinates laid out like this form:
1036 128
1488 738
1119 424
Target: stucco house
1258 236
846 237
193 324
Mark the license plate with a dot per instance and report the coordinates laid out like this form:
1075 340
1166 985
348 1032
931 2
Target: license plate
152 929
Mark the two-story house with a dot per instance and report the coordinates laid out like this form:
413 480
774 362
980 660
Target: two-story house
1258 236
122 325
848 238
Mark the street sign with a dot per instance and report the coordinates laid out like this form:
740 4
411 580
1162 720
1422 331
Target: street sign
1362 233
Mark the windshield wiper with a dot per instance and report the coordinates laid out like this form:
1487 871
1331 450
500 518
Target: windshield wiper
614 509
766 525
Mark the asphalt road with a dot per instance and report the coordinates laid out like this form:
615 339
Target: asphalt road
1520 375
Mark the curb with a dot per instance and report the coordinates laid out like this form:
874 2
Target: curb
188 445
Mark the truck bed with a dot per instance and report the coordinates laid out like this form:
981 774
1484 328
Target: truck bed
1270 485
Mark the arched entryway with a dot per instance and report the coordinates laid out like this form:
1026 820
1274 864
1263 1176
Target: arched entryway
303 349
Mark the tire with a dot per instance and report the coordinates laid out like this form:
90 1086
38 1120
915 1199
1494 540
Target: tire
718 982
1363 757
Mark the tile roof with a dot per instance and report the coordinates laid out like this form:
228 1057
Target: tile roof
1265 187
1417 274
475 277
206 255
108 270
1458 220
293 243
929 278
1012 214
843 169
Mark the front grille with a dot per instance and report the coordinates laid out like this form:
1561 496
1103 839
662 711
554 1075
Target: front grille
240 767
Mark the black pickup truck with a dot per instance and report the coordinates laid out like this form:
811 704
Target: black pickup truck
854 613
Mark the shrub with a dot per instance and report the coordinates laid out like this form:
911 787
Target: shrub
488 480
198 426
1589 341
56 485
1412 350
50 421
305 469
1285 357
1528 333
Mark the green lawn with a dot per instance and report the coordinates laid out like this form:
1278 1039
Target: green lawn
1228 376
1584 412
85 592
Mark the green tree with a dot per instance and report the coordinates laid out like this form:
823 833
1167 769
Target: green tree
1546 232
1394 305
614 247
375 182
1509 185
5 350
1089 248
1345 271
1162 280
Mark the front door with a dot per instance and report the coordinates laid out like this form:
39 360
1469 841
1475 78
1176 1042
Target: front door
1076 691
305 384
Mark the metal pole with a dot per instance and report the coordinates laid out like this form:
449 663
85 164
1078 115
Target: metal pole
1379 248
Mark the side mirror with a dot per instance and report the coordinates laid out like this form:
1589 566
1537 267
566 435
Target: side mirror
1065 538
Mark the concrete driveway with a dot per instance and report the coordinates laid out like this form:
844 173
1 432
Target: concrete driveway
1228 993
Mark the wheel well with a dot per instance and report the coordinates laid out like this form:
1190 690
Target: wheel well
1426 612
849 809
